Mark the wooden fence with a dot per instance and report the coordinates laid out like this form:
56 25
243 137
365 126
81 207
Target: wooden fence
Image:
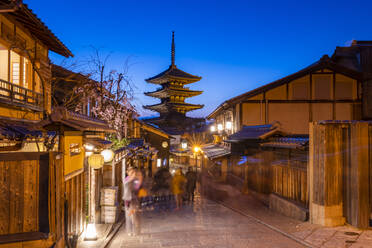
19 190
34 196
75 202
283 172
290 182
24 198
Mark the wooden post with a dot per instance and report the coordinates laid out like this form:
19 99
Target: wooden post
123 170
92 200
224 169
113 172
325 174
359 197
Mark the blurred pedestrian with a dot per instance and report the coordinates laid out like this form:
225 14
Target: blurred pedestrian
191 184
132 184
178 187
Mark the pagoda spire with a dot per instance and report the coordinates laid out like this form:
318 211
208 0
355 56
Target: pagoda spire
173 51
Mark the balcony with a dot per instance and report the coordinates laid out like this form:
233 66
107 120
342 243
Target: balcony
15 95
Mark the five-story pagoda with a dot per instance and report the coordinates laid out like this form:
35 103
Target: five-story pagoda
172 94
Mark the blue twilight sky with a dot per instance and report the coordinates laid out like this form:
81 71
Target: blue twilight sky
235 46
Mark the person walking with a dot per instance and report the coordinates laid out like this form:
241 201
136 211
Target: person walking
131 185
191 178
178 187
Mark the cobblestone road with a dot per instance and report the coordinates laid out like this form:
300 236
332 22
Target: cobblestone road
205 224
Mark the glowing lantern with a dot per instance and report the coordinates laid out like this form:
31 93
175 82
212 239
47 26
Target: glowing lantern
96 161
89 147
108 155
213 129
196 149
91 232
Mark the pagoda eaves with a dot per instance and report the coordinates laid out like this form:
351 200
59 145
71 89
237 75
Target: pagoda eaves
166 106
167 92
172 92
173 74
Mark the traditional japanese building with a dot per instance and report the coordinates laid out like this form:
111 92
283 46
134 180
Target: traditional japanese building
172 94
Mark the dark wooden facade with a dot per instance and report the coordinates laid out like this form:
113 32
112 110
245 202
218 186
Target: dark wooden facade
340 169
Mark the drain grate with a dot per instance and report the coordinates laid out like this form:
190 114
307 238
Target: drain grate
352 233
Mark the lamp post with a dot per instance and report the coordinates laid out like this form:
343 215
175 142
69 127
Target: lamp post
196 150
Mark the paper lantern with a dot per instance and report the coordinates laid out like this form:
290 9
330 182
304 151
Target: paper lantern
164 144
108 155
96 161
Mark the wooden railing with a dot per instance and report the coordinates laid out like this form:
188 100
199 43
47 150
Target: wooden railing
17 95
291 182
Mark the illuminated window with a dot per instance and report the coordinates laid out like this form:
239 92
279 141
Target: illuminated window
228 125
26 71
15 73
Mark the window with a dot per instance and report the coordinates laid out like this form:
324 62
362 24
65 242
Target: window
26 73
15 73
4 63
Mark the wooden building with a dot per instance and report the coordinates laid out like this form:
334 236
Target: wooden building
31 165
275 161
324 90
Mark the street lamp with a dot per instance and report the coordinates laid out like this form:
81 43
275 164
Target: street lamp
213 129
196 150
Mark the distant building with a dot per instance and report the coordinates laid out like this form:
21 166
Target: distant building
172 94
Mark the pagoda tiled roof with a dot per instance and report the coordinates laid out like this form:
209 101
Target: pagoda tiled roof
166 92
164 107
173 73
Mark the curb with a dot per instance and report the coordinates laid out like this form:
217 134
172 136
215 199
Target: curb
112 234
268 225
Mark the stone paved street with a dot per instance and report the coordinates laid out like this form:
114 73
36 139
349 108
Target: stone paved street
206 224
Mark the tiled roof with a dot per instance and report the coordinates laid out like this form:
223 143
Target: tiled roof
172 72
164 107
24 15
77 121
253 133
288 142
20 129
166 92
214 151
98 142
